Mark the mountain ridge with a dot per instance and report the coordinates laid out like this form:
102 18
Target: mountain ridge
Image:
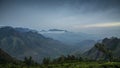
108 45
29 43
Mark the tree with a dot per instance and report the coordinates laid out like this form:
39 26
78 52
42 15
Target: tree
28 61
61 59
46 61
80 59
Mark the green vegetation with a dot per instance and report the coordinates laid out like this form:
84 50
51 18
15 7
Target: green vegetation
67 65
69 61
84 65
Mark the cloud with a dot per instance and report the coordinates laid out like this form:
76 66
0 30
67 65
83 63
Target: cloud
73 15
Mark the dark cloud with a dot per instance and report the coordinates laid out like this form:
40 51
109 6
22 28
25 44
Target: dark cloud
40 14
89 4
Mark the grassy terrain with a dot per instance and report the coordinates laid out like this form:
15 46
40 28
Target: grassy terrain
86 65
68 65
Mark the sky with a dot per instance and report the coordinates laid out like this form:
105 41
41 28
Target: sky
88 16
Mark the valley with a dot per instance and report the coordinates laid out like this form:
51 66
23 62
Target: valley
26 48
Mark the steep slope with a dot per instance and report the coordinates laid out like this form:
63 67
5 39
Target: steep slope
20 43
112 44
5 58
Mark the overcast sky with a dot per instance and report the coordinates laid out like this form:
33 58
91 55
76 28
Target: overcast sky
88 16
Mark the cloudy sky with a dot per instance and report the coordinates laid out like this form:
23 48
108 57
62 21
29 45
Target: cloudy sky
88 16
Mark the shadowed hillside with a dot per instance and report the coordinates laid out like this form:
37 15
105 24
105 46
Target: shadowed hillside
5 57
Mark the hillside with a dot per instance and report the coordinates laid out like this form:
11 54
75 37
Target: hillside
110 45
20 43
4 57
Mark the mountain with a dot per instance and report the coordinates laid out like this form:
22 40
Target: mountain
107 46
83 46
68 37
78 41
5 57
24 30
20 42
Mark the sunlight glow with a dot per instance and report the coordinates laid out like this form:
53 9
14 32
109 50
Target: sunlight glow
113 24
